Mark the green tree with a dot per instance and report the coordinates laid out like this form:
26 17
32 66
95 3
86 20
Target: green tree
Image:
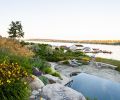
15 30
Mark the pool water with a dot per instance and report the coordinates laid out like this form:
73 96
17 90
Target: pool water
95 87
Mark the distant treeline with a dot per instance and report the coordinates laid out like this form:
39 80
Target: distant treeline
115 43
107 42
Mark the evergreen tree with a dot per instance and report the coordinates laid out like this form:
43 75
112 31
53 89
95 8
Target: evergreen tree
15 30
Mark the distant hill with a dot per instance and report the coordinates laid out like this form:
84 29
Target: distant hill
109 42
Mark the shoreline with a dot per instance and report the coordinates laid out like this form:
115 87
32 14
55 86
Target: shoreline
102 42
113 56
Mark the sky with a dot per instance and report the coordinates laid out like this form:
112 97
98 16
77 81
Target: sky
63 19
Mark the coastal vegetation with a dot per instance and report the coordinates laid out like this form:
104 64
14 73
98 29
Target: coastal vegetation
12 87
106 42
46 52
17 63
110 61
14 67
18 59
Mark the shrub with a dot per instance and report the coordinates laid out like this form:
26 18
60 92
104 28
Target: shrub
53 58
86 59
23 43
12 86
39 63
43 66
65 62
109 61
15 91
5 54
47 70
84 62
46 52
15 47
44 80
56 74
10 72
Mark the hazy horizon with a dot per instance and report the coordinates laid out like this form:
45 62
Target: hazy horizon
65 39
63 19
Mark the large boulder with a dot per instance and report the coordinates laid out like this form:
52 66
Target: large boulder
36 83
52 79
60 92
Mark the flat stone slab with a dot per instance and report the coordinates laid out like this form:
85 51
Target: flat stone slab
60 92
52 78
103 72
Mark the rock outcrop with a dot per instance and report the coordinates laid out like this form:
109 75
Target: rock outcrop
60 92
52 79
36 83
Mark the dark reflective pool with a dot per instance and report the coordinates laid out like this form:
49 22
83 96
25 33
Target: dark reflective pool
96 87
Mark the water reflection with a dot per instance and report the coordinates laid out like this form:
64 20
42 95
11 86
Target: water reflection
95 87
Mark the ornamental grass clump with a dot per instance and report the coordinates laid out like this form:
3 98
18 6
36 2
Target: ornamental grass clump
12 83
15 47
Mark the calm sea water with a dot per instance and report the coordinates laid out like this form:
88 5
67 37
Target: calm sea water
114 49
96 87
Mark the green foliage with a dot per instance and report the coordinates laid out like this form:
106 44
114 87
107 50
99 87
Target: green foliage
44 67
23 43
65 62
3 54
15 91
42 50
15 30
13 58
12 86
47 70
56 74
23 61
109 61
10 72
44 80
40 64
53 58
46 52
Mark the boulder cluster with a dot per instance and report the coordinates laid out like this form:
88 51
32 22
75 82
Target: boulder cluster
52 91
